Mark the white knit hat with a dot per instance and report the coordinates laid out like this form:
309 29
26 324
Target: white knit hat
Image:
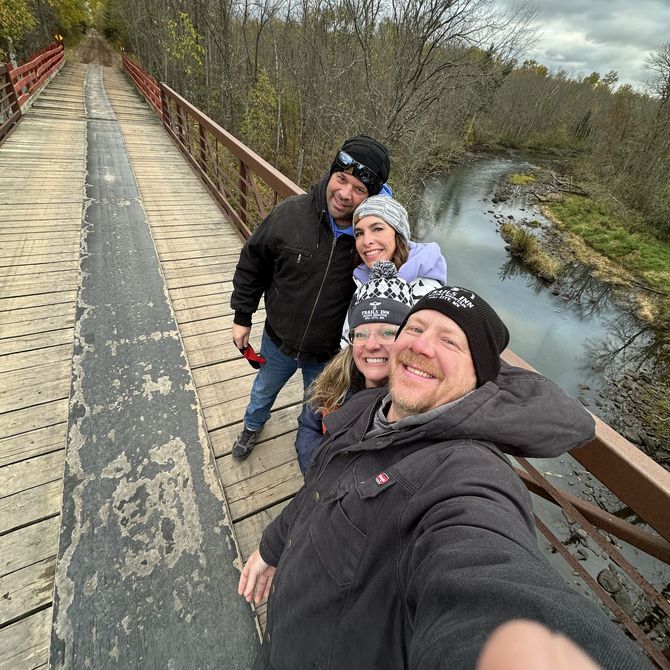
388 210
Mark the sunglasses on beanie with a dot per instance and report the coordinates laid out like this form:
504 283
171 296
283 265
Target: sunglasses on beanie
362 172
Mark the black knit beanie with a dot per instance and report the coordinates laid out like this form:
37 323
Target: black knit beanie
487 334
374 155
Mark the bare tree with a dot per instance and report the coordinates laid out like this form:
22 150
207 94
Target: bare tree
658 62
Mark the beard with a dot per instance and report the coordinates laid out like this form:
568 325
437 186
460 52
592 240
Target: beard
410 397
402 397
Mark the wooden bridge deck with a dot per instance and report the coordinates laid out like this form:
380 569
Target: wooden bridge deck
42 180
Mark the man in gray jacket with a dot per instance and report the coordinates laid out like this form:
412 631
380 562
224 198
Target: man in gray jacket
413 539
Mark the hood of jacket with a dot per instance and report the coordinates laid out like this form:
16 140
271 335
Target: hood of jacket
425 261
521 412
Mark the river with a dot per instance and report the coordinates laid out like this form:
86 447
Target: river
556 334
560 332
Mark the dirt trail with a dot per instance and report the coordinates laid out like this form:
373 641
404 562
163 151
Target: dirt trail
94 49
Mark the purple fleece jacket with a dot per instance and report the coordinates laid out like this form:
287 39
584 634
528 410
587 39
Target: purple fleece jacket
425 262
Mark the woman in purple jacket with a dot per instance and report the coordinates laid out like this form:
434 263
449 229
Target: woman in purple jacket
381 231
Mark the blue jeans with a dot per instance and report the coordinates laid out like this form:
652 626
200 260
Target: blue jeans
271 378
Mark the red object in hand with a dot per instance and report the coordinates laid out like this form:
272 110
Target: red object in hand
254 359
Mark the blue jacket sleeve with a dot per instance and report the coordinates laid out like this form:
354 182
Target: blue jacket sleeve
310 434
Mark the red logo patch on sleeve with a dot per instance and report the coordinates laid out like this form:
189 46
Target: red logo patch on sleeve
381 478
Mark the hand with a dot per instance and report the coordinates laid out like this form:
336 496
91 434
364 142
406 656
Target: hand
256 576
527 645
241 335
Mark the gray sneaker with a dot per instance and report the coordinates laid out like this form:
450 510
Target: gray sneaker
244 443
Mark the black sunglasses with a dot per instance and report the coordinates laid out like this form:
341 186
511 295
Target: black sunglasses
363 173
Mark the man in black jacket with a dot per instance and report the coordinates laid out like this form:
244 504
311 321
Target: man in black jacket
413 538
301 260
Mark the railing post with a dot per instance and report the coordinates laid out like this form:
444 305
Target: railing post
180 128
243 192
203 148
165 107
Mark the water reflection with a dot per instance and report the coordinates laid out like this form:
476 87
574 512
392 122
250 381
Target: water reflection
575 333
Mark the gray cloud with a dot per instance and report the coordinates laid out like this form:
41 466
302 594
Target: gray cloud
599 35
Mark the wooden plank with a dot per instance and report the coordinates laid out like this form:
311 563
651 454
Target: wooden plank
34 271
267 455
53 298
230 411
281 421
222 372
251 495
34 314
34 393
25 328
32 472
28 545
24 645
31 505
35 375
33 443
23 360
248 531
22 421
53 338
25 591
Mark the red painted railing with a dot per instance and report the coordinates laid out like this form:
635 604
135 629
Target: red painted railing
244 184
19 84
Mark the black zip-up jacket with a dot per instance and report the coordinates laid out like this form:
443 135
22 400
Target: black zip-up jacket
407 549
293 259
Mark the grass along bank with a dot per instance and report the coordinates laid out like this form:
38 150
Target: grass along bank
596 231
626 254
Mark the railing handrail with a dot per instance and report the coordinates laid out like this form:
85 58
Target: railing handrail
20 84
626 470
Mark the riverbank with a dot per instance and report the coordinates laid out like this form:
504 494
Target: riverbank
585 235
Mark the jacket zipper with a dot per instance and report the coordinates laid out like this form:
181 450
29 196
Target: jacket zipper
318 295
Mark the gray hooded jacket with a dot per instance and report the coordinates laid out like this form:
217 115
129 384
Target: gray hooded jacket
407 549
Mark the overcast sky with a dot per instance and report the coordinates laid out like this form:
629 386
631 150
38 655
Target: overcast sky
583 36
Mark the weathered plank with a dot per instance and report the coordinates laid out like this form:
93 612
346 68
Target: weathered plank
31 505
28 545
52 338
25 590
32 443
282 421
22 421
33 472
250 529
23 360
24 645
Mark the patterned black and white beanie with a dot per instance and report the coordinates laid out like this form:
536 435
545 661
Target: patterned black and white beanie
384 298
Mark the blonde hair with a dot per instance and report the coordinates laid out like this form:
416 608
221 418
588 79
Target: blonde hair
330 388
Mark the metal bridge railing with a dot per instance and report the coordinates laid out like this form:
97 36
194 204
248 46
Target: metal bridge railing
20 84
245 185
